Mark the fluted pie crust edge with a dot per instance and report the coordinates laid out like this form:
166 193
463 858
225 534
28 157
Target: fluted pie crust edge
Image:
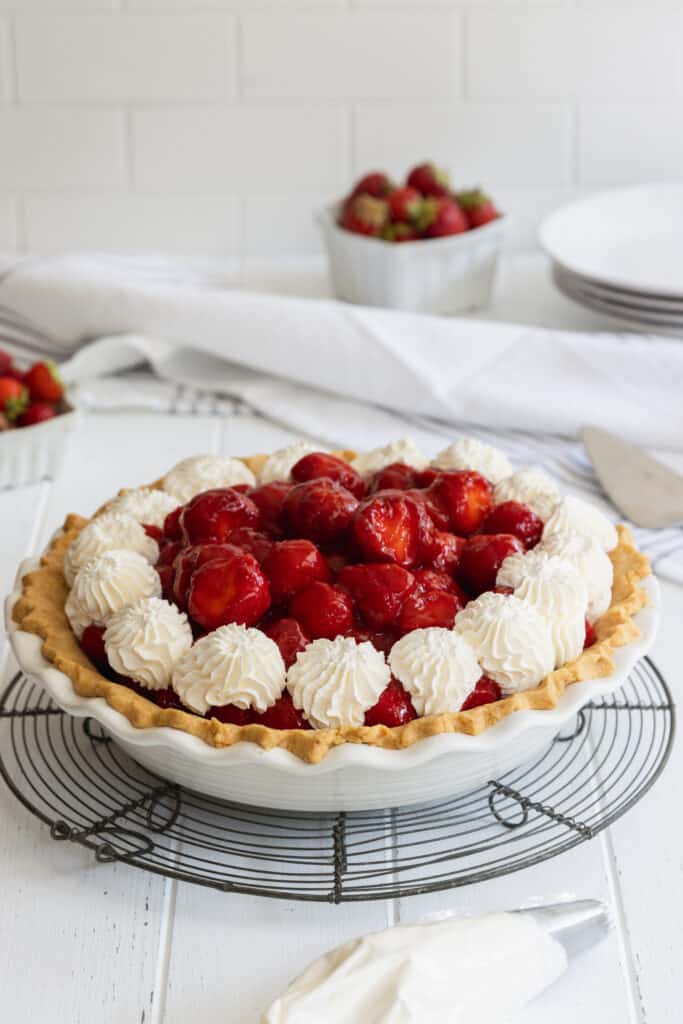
40 610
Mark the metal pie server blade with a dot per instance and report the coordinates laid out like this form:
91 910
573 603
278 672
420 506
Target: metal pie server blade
643 489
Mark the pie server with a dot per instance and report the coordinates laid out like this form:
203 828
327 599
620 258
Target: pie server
643 489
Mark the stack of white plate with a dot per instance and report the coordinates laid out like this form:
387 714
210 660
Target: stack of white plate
621 254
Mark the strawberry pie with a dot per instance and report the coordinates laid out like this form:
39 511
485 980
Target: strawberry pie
310 598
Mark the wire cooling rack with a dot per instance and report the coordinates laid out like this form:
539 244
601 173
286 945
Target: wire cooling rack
87 791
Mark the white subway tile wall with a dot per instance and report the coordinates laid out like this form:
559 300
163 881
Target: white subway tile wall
220 126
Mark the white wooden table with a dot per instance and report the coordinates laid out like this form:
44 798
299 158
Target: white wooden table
83 942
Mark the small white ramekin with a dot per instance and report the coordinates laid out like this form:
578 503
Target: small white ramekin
436 275
35 453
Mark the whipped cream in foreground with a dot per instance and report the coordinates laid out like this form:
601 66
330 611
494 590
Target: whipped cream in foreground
558 593
203 473
279 465
334 682
438 668
531 487
459 971
111 530
469 453
404 450
574 515
107 583
145 639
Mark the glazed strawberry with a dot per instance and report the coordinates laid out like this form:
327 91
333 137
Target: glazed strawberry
36 412
364 215
479 208
172 528
155 532
591 635
228 589
230 714
405 204
429 608
253 541
485 692
505 591
336 561
168 552
212 515
516 518
436 513
441 217
381 639
269 499
426 477
13 397
392 527
323 610
92 645
429 180
394 707
292 565
396 477
167 698
289 636
166 574
282 715
432 579
481 559
320 510
320 464
376 184
189 559
445 551
378 591
44 383
465 496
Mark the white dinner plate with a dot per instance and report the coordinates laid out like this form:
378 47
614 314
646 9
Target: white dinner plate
630 299
632 319
631 238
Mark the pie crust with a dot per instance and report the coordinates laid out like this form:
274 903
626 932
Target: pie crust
40 610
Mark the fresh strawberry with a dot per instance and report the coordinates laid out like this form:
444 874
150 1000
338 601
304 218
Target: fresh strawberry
282 715
292 565
429 180
465 496
481 559
320 464
428 608
167 698
320 510
364 215
445 551
92 645
393 708
591 635
270 499
44 383
289 636
404 232
228 589
441 217
323 610
13 398
392 527
405 204
172 528
36 412
516 518
253 541
378 591
479 208
376 184
396 477
230 714
211 516
485 692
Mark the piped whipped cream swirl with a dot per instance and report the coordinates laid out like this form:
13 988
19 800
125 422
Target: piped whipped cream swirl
438 668
574 515
205 472
469 453
279 465
146 504
232 665
404 450
517 567
531 487
144 640
510 638
108 532
557 591
334 682
107 583
593 564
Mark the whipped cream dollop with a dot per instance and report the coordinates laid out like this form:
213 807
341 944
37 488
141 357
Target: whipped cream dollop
469 453
404 450
203 473
593 564
334 682
574 515
557 591
232 665
279 465
531 487
105 584
145 639
511 639
146 504
108 532
438 668
517 567
458 971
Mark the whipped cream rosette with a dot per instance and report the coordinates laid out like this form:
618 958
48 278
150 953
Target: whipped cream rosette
279 464
438 668
107 583
144 640
108 532
593 564
404 450
334 682
557 591
204 473
531 487
469 453
574 515
146 504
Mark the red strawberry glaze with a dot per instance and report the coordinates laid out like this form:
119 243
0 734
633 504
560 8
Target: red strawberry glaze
397 477
432 579
482 558
189 559
393 708
392 527
168 552
378 591
167 698
92 645
289 636
282 715
213 515
172 528
230 714
320 464
465 496
445 551
292 565
381 640
253 541
515 518
270 499
155 532
319 510
485 692
323 610
591 635
166 574
424 609
228 589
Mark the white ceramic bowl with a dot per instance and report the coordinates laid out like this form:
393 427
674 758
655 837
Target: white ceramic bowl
34 453
351 777
436 275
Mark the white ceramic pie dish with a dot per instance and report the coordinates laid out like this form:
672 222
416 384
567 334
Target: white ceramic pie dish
351 777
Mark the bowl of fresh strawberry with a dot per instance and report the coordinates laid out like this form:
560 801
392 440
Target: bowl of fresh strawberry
422 246
35 419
